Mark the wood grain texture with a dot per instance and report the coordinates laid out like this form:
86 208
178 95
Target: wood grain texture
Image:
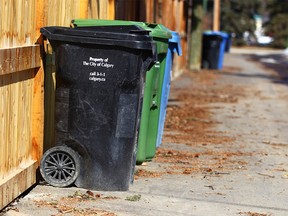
150 11
38 114
18 94
19 59
21 118
111 9
17 182
17 22
171 13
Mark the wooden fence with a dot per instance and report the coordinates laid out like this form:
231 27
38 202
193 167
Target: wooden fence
23 58
173 15
21 96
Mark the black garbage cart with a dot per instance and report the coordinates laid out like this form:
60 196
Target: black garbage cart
100 74
214 43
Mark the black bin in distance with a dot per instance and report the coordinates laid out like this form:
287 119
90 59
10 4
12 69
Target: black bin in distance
100 75
211 51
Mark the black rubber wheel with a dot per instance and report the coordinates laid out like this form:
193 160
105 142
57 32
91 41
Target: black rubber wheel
205 64
60 166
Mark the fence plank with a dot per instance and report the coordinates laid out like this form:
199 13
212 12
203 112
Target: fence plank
38 113
21 119
23 177
93 9
150 11
111 10
19 59
103 11
83 9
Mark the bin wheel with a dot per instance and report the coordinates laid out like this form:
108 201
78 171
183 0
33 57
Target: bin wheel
60 166
205 64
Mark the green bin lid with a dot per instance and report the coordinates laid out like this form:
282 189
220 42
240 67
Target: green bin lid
157 30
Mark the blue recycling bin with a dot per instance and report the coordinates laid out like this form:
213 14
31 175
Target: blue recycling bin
213 49
174 47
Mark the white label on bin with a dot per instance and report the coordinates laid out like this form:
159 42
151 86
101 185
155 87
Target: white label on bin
97 76
98 62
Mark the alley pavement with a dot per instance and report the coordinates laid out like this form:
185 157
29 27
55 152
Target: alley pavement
224 151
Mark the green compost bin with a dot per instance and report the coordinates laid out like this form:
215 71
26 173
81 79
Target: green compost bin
149 121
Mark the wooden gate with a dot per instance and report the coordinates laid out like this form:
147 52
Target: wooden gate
21 98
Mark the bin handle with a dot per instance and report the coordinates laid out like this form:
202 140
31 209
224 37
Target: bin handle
151 25
157 64
143 32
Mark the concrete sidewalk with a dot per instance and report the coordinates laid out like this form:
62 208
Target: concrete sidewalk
225 151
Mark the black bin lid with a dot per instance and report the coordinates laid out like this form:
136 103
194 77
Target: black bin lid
131 36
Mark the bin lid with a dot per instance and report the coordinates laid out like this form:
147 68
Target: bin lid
176 40
131 37
216 33
156 30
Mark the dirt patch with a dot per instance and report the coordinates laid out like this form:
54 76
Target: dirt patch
71 203
191 116
144 173
253 214
189 121
202 162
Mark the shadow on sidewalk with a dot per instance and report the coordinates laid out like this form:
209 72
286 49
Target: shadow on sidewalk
276 62
276 66
273 78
